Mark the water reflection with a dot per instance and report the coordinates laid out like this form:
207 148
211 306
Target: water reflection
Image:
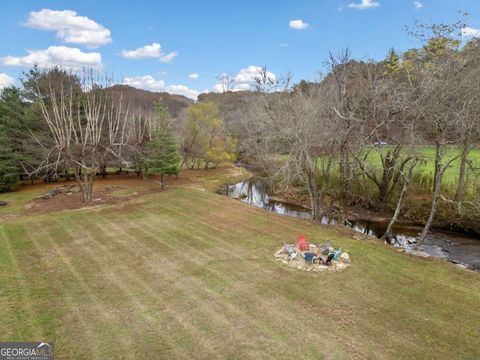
255 192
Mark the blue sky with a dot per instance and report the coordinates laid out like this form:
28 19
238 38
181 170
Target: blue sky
208 37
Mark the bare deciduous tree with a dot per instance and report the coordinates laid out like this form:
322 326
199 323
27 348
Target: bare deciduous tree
226 81
87 125
290 135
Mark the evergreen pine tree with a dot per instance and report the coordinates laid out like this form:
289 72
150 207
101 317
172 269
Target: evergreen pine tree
20 119
9 172
392 63
161 155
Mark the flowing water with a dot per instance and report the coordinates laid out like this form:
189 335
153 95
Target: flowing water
462 249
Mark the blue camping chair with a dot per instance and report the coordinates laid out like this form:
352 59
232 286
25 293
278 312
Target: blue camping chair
310 257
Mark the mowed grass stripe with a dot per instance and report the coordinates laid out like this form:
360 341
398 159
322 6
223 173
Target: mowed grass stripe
18 314
136 247
254 223
232 218
79 290
142 299
119 319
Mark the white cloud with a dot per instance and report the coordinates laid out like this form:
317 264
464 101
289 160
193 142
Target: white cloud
244 80
183 90
418 4
218 88
149 51
469 32
168 57
63 56
298 24
364 4
148 82
6 80
70 27
248 75
193 76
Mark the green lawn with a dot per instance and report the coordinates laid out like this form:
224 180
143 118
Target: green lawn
189 274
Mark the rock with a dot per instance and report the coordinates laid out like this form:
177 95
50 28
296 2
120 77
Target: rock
475 266
70 189
279 253
49 194
419 253
3 203
344 257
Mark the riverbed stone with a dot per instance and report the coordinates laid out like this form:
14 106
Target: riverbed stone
344 257
418 253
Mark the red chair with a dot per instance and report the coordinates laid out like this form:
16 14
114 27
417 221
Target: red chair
302 243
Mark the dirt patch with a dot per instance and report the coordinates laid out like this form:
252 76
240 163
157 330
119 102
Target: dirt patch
106 191
114 189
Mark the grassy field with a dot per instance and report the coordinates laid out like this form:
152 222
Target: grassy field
189 274
427 168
